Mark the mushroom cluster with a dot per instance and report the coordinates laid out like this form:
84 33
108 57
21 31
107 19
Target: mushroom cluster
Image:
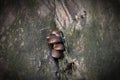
56 43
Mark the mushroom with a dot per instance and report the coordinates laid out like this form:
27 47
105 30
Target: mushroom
57 54
50 36
54 39
59 46
57 33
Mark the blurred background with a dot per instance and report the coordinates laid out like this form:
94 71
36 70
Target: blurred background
92 39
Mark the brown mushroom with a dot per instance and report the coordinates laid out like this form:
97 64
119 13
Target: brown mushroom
54 39
57 33
50 36
59 46
57 54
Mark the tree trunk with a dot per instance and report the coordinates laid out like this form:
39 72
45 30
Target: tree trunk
91 29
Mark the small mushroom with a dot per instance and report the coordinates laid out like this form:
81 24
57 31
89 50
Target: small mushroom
59 46
54 39
57 33
50 36
57 54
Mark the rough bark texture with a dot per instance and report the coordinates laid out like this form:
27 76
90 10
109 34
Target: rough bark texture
91 29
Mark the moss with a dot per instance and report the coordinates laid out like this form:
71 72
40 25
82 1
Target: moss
91 47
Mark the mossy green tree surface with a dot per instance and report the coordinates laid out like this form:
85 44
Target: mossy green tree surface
91 30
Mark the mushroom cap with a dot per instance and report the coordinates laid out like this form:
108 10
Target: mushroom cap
59 46
50 36
57 54
54 39
56 32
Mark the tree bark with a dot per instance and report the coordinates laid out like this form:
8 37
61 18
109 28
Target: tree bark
91 29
